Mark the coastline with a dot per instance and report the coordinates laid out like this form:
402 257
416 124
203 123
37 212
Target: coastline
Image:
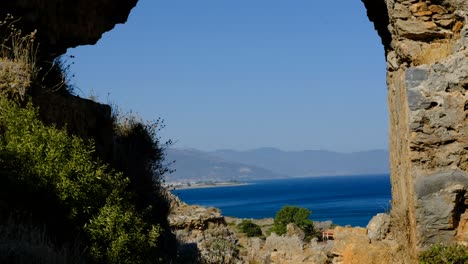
204 185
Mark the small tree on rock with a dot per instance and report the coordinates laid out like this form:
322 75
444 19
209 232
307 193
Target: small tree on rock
297 215
250 229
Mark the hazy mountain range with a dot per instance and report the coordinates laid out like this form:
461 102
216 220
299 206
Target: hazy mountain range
266 163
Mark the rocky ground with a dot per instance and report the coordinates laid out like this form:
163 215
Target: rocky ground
206 236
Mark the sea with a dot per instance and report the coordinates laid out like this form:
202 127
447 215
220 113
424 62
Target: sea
345 200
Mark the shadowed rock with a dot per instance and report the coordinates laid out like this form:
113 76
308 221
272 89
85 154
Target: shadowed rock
63 24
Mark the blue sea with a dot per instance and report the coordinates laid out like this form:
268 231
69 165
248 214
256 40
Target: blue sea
346 200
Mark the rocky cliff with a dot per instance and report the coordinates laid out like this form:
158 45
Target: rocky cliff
425 44
427 75
202 234
66 24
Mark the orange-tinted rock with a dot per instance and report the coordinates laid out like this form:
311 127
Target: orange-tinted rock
456 28
438 9
423 13
418 7
445 22
462 231
381 253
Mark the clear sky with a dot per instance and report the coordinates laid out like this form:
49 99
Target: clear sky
243 74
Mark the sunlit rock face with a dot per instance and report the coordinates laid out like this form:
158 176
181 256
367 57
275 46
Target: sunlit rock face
63 24
426 45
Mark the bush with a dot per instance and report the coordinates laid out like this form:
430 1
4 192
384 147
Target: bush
56 176
296 215
440 254
250 229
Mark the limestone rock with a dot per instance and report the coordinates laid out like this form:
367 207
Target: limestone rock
438 9
462 231
345 236
423 13
418 7
382 253
401 11
418 30
290 244
378 226
202 234
294 230
441 205
445 22
427 77
352 245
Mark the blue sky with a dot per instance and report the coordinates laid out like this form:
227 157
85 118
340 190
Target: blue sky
245 74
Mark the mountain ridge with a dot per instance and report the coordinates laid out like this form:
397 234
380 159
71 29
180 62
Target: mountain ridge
269 163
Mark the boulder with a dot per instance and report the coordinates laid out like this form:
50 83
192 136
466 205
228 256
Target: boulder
378 226
202 233
294 230
419 30
291 244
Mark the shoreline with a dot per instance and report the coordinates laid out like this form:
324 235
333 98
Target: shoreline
206 185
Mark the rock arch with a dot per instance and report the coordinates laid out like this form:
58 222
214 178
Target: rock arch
425 45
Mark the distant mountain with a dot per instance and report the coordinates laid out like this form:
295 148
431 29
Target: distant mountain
194 165
310 162
267 163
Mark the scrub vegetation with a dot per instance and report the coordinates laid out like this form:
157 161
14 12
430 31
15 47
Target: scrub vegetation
60 200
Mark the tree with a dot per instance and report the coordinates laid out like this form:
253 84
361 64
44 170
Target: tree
296 215
250 228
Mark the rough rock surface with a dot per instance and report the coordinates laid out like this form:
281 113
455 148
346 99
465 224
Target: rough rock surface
63 24
462 232
353 246
427 75
287 249
426 47
202 234
350 245
377 228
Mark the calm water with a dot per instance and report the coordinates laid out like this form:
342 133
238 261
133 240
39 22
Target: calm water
346 200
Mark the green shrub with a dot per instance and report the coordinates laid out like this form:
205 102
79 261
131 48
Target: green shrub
296 215
41 161
440 254
250 229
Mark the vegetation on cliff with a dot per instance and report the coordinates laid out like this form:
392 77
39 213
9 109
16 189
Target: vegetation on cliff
440 254
50 174
55 186
250 228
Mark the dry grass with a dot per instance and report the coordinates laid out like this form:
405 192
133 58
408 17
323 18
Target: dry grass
435 52
18 53
18 47
14 79
125 123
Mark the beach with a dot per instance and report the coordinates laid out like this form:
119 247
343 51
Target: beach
203 185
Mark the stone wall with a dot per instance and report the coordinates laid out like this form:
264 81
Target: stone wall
427 77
